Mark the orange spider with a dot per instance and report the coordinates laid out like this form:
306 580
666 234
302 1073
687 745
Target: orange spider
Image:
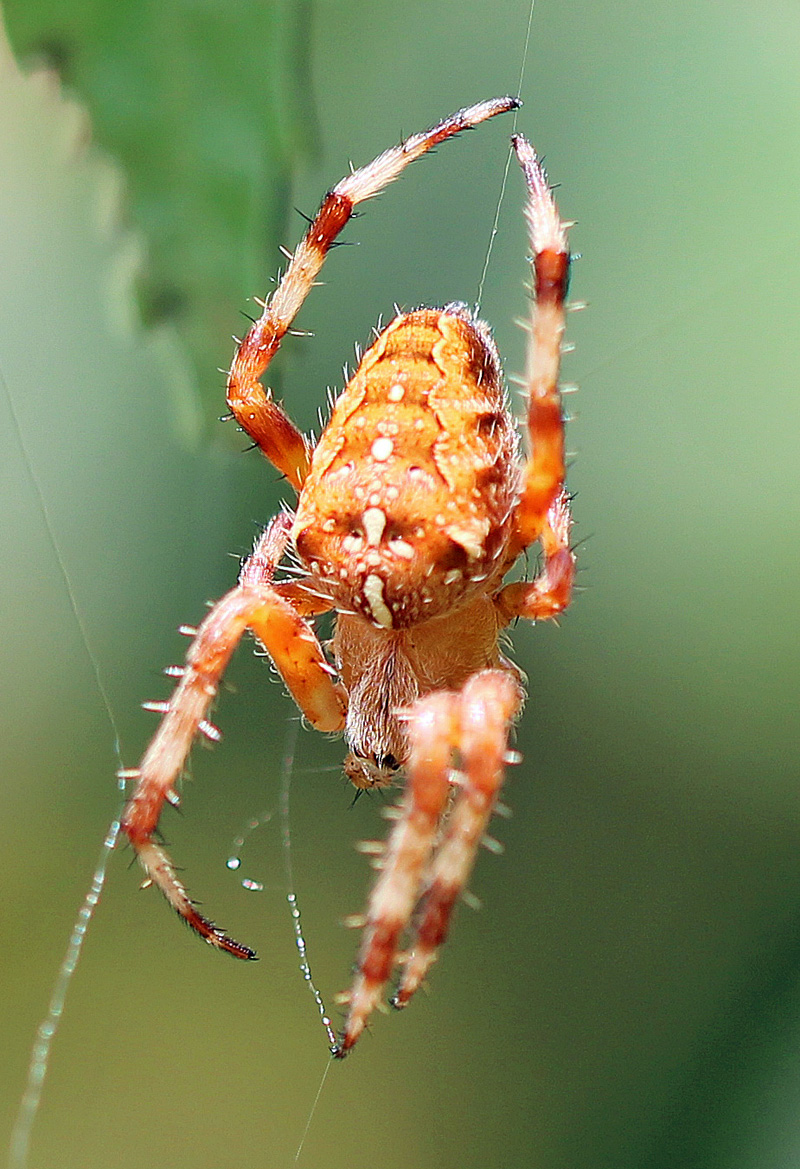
412 508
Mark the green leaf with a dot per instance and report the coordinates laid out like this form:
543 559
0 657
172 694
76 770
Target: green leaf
207 107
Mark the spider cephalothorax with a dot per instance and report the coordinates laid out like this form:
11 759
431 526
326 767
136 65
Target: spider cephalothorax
412 508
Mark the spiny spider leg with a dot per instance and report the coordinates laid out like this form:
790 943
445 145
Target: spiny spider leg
543 473
550 592
257 605
252 405
474 723
488 704
432 735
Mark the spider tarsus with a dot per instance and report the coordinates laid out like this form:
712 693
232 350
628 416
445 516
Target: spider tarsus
214 936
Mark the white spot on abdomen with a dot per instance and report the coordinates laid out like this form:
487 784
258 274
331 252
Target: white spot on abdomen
374 521
373 593
382 449
402 548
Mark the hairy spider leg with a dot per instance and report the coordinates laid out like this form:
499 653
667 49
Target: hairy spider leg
251 404
550 591
474 723
432 735
255 604
488 704
544 472
543 512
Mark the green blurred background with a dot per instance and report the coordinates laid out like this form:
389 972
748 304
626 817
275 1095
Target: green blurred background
630 993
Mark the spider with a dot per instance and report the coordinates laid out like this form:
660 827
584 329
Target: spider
412 508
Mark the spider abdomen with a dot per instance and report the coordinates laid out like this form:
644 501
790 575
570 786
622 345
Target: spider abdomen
406 508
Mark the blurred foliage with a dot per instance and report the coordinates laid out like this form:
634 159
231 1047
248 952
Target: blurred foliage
209 137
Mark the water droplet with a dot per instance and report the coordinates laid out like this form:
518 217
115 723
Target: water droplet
254 886
233 862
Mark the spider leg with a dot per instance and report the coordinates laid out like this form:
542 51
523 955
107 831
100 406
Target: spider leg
543 473
255 604
474 724
549 593
488 702
251 404
432 733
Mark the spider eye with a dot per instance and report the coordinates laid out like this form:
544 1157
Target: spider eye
386 762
